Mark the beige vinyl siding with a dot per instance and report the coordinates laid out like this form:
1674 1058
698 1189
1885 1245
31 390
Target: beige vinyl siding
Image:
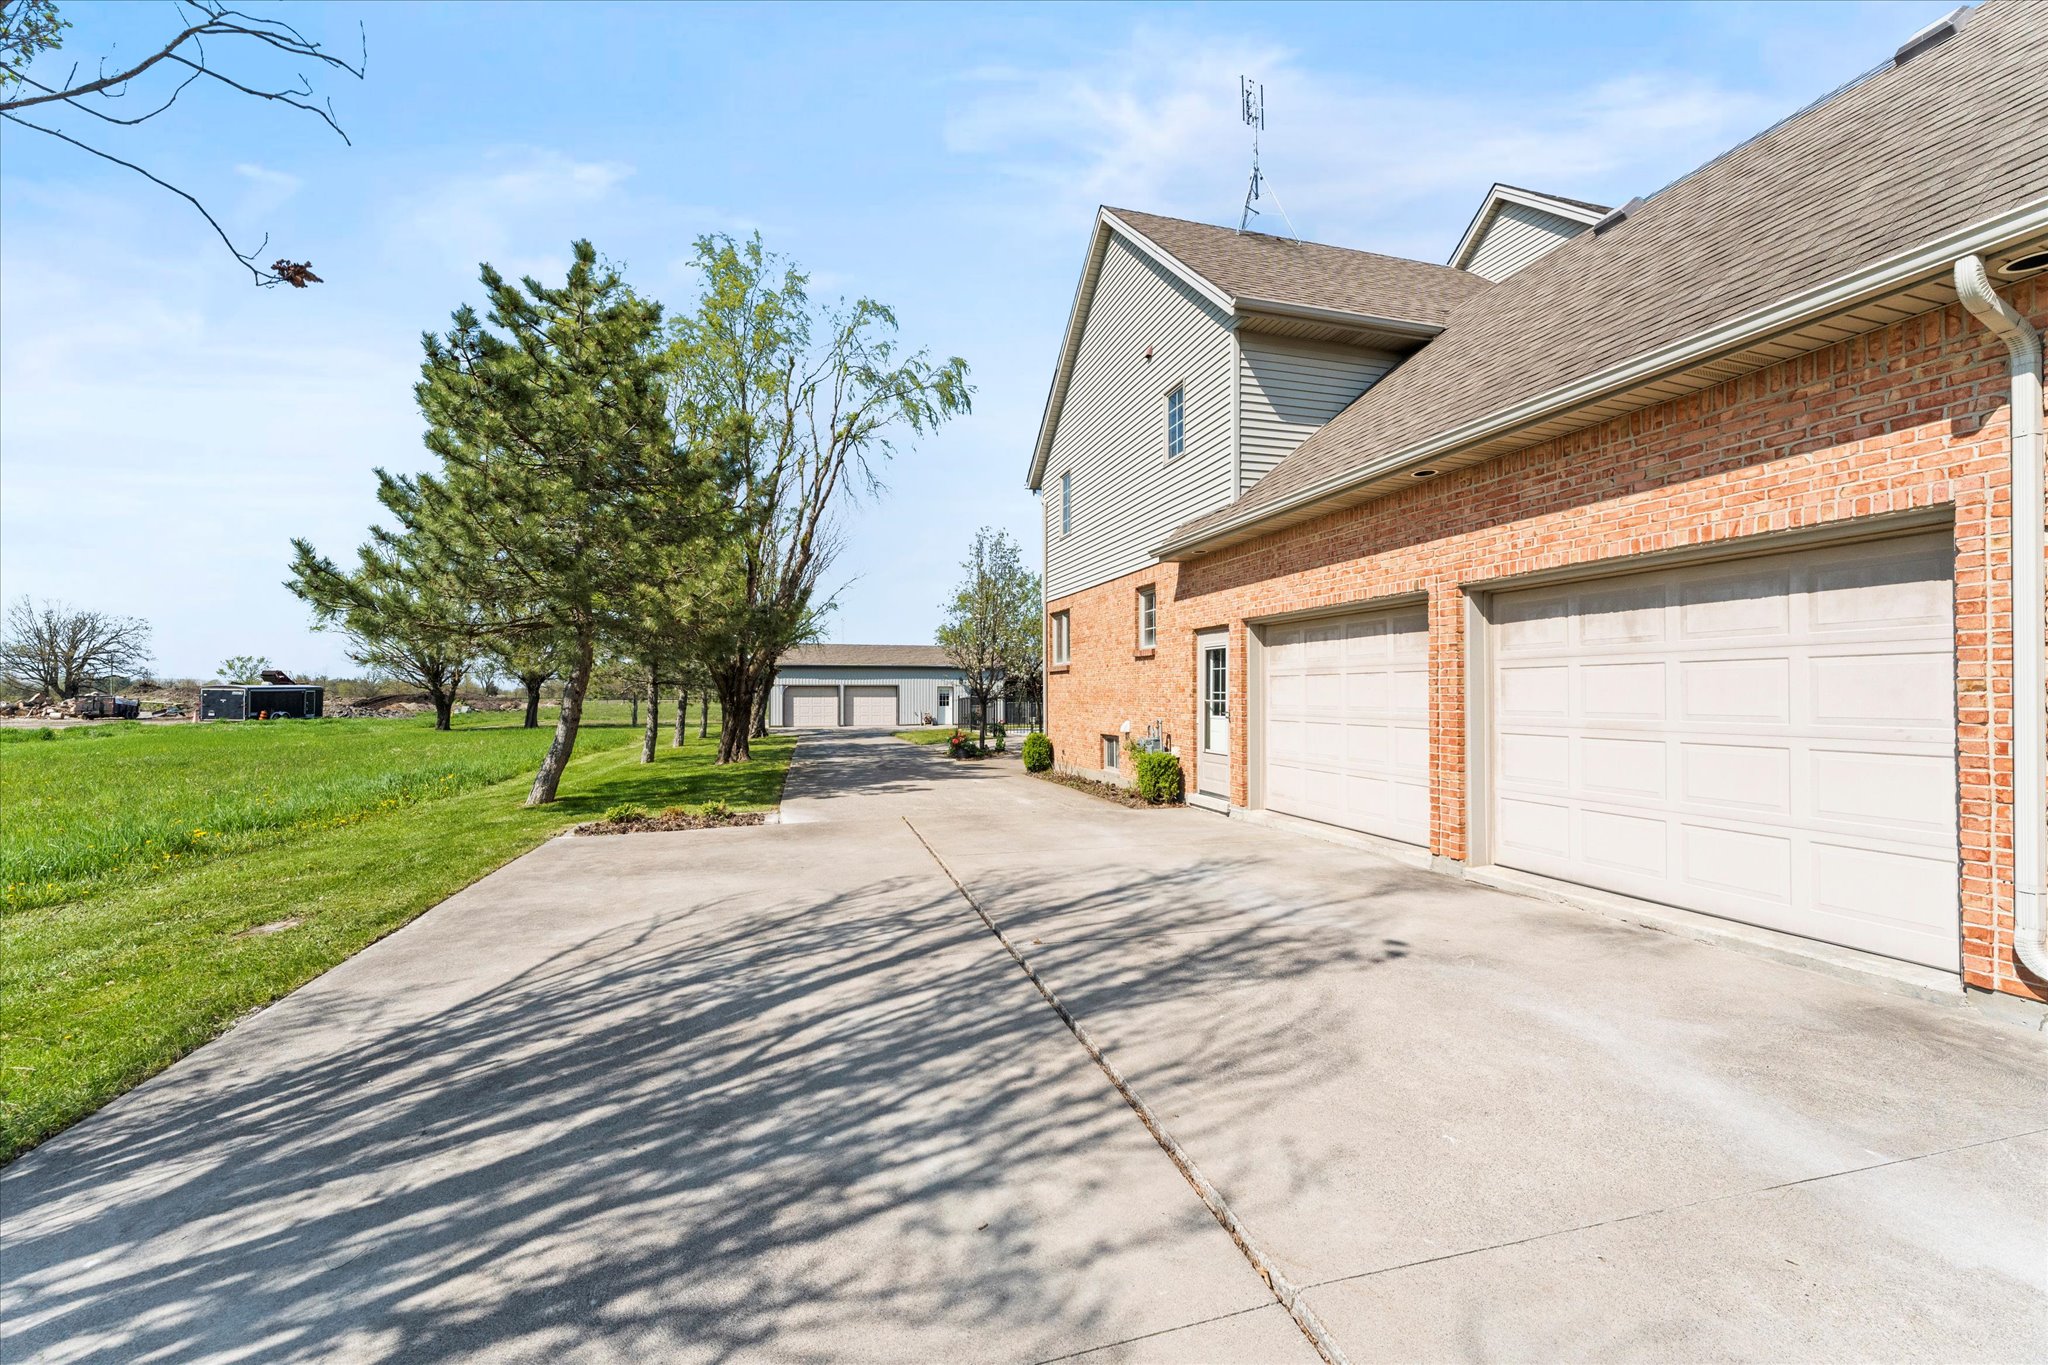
1112 427
1518 235
1288 388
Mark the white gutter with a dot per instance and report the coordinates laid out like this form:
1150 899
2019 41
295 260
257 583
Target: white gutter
2029 606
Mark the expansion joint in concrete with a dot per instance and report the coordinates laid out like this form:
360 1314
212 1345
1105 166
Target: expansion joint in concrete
1289 1294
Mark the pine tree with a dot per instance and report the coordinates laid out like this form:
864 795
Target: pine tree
560 479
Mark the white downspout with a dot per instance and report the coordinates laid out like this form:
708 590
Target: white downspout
2029 606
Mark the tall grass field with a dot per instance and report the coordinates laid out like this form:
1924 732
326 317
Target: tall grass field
98 805
161 880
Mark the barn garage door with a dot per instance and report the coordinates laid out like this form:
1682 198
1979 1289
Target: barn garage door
810 708
1347 722
1770 740
872 705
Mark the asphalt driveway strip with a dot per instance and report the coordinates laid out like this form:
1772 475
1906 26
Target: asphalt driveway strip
777 1094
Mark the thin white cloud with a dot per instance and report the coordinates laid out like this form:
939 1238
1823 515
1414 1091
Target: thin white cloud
497 209
1355 160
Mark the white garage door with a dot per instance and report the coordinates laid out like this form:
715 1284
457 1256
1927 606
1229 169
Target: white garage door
872 705
811 708
1347 722
1771 740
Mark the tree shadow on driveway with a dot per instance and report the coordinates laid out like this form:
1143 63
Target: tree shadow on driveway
817 1125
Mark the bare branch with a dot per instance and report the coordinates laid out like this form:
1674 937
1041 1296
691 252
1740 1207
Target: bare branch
247 258
37 30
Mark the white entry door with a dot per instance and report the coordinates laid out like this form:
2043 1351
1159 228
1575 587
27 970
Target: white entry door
1771 740
873 706
1212 752
1347 721
944 715
810 708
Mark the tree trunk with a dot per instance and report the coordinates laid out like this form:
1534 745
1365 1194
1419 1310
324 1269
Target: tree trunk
735 708
682 718
704 713
653 731
564 743
759 707
634 717
442 695
532 706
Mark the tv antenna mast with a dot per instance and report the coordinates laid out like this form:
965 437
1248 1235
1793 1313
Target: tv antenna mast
1251 107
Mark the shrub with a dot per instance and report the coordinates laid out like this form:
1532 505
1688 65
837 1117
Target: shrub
1158 777
1037 752
964 745
717 810
1001 736
624 813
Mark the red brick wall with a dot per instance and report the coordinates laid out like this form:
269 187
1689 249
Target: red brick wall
1910 417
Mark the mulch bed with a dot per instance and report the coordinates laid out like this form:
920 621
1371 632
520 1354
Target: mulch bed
671 820
1106 791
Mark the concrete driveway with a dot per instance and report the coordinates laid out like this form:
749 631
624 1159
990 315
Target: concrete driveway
778 1094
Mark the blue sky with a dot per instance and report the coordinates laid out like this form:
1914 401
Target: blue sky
165 428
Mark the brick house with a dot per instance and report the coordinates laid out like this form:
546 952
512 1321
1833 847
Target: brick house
1661 554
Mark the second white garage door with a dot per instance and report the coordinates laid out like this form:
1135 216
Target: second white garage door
811 708
1771 740
872 705
1347 722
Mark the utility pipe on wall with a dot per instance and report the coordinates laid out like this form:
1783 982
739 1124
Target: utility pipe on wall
2029 606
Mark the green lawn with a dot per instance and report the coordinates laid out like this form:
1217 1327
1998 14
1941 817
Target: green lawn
934 736
115 959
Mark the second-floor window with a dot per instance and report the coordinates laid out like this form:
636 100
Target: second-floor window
1058 644
1066 504
1176 423
1148 617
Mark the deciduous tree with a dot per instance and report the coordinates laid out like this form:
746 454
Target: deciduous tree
58 649
992 619
242 668
799 406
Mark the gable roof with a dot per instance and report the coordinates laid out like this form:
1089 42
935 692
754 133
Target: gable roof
1556 205
1394 301
1845 217
865 656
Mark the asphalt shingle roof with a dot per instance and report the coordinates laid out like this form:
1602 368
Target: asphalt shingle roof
865 656
1954 136
1255 265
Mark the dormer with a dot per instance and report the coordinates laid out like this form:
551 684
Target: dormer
1515 226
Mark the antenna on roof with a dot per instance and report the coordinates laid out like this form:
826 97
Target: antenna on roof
1251 107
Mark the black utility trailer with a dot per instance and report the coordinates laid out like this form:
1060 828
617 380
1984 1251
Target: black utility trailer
266 701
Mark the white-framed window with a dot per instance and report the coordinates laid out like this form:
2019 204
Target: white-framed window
1057 646
1112 753
1148 617
1176 422
1066 504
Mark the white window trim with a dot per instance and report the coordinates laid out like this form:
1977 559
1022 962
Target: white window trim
1062 642
1112 753
1067 503
1166 420
1148 617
